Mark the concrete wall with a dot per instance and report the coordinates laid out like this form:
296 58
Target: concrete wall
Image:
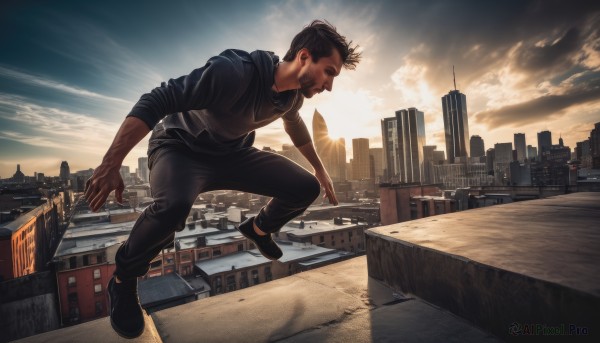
28 306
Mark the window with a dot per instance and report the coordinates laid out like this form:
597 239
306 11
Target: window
96 274
244 280
216 252
217 284
97 288
86 260
185 257
255 280
99 258
268 275
156 264
240 247
169 259
72 282
72 262
322 239
203 254
230 283
98 308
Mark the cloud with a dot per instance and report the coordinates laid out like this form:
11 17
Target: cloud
45 82
54 127
544 107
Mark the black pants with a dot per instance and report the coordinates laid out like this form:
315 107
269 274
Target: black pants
178 175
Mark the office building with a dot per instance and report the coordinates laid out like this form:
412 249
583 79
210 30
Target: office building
361 165
456 125
544 142
477 146
520 147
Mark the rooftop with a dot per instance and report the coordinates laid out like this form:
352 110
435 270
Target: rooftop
472 276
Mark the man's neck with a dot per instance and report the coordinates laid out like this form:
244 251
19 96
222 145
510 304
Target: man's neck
286 77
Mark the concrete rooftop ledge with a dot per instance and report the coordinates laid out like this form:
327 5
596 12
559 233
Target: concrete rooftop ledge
336 303
514 265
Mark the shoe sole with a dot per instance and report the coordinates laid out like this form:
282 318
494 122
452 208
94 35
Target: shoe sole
119 331
272 258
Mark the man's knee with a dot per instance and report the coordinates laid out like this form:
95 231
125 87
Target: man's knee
312 188
175 211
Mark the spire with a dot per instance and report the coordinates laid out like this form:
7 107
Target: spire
454 77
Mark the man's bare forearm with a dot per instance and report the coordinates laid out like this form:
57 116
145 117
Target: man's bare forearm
130 133
308 150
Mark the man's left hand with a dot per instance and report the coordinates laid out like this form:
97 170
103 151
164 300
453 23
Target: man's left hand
326 185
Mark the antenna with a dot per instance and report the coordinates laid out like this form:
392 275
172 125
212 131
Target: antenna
454 77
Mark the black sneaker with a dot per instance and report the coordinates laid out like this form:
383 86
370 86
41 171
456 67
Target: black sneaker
126 316
265 244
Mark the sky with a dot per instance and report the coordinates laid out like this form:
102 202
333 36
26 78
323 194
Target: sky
70 71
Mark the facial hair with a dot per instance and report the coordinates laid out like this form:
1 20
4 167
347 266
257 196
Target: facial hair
307 82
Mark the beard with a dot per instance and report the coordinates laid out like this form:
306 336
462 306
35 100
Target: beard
307 82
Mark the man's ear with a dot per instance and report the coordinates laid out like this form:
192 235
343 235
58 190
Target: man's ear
303 56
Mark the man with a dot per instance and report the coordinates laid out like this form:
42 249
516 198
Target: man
204 143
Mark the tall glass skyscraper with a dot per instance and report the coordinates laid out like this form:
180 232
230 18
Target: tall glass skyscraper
521 147
403 141
456 125
544 142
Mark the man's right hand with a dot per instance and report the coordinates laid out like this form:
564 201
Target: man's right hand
104 180
106 177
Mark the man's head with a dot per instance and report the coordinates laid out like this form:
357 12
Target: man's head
321 52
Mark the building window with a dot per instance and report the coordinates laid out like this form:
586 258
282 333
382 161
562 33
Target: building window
185 257
268 275
98 308
230 283
96 274
255 280
72 282
97 288
322 239
99 258
240 247
169 259
86 260
156 264
72 262
203 254
244 280
218 286
216 252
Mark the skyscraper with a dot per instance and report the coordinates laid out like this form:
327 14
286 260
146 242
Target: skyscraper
544 142
361 166
531 152
477 146
389 135
456 125
65 171
411 139
520 146
377 154
502 157
403 140
332 152
143 171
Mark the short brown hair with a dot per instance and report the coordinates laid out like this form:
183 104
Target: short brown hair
320 37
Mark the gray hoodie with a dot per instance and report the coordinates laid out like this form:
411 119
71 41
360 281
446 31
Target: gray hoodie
227 99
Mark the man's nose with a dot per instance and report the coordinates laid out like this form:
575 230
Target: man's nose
329 85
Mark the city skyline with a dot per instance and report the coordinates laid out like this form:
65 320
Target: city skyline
70 72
